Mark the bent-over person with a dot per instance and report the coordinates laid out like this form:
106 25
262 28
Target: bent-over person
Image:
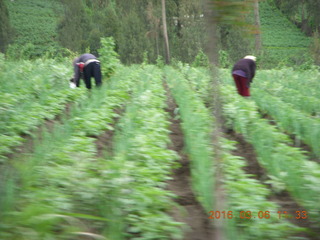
243 73
87 66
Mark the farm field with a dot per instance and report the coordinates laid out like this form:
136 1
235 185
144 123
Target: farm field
278 46
165 148
135 159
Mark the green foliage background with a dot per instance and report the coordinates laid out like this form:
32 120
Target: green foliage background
34 24
5 28
54 28
283 43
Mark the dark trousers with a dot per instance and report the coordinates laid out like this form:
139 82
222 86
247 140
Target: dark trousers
92 70
242 85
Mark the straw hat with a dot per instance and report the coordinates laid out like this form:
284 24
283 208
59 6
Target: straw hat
250 57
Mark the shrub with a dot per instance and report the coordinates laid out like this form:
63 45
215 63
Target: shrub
201 60
108 56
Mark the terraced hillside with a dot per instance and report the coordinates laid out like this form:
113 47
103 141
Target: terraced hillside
35 24
282 41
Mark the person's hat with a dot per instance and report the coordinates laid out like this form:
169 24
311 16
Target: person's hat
250 57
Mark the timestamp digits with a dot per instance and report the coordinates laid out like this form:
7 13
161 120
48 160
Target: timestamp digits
255 215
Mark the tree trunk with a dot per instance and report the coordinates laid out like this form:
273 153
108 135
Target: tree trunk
157 45
304 20
165 32
5 29
258 25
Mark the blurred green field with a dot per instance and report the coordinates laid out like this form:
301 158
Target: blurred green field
282 41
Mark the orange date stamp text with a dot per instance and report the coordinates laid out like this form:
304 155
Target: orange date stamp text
257 215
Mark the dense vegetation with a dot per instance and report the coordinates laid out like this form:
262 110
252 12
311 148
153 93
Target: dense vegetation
34 24
77 26
70 183
305 14
103 163
291 48
5 27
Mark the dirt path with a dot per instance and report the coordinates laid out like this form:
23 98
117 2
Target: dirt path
189 211
104 142
283 199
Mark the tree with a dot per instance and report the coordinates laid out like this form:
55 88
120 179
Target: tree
257 24
187 29
75 26
105 22
236 27
5 29
154 22
165 32
304 13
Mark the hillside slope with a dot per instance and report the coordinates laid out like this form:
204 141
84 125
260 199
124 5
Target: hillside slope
282 40
34 23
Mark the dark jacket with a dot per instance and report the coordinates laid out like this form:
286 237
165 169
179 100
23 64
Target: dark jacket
248 66
82 59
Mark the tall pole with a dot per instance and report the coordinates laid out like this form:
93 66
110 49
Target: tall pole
257 24
165 32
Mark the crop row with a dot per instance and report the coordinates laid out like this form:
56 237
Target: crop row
304 82
294 112
290 120
142 164
31 92
241 190
307 104
49 192
65 189
197 127
288 167
284 164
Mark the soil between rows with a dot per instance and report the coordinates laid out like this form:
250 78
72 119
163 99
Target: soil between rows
28 142
283 199
104 141
189 210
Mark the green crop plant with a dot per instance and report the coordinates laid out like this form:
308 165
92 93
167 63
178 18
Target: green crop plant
31 92
246 194
298 118
197 128
282 41
275 154
35 26
299 88
56 191
307 104
305 82
142 164
283 162
65 191
108 55
197 123
293 121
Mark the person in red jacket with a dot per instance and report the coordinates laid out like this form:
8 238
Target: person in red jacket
86 66
243 72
